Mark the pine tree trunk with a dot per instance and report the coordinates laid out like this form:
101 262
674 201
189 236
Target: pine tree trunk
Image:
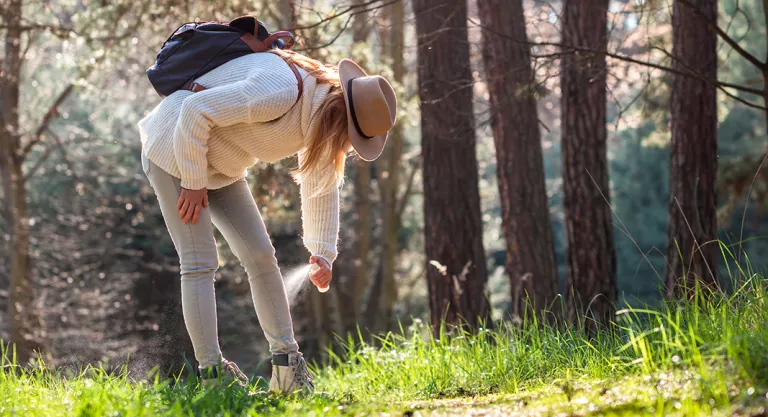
693 158
590 255
363 227
288 15
352 307
520 166
6 230
25 320
390 222
452 222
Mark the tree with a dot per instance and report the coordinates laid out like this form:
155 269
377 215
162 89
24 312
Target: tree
693 159
288 15
25 320
452 223
380 312
20 144
520 167
391 217
590 252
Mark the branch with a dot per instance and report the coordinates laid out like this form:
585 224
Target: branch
38 164
46 121
621 57
348 10
64 155
403 200
626 58
725 37
719 85
332 41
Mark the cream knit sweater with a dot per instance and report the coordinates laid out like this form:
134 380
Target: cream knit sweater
210 138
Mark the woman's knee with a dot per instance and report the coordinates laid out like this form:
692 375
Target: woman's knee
198 275
199 266
261 260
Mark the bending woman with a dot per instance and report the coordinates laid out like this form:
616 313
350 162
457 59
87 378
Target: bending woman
196 148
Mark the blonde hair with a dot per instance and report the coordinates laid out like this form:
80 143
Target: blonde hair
329 144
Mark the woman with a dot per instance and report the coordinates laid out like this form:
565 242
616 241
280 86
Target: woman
196 150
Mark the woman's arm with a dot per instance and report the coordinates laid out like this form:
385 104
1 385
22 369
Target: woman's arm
261 97
320 215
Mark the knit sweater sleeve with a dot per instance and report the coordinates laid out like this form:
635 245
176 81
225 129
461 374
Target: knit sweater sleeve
319 215
264 96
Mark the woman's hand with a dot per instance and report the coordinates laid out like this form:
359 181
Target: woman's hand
191 204
322 276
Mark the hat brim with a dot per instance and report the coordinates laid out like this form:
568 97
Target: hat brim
367 149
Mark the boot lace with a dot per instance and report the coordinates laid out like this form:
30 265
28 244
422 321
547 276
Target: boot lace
302 377
235 371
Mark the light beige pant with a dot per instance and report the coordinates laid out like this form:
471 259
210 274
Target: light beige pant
234 213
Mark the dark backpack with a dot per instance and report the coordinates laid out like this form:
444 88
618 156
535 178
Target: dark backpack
197 48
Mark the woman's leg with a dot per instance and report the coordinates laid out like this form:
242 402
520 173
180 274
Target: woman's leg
198 257
235 214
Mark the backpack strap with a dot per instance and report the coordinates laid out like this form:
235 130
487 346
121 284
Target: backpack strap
283 34
195 87
298 78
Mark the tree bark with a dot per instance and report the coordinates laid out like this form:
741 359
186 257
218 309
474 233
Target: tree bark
390 221
364 225
24 319
590 254
288 15
520 165
452 221
693 158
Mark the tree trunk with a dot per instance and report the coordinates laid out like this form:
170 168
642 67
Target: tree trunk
452 221
390 222
352 306
6 231
24 318
363 227
590 254
520 166
288 15
693 158
765 69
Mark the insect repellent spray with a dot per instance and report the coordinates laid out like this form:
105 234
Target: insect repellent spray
297 280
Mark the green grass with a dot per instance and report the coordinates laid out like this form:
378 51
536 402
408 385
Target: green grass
707 357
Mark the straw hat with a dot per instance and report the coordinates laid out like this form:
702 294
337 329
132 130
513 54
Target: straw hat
371 109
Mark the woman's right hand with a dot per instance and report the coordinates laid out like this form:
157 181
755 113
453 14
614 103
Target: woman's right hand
191 204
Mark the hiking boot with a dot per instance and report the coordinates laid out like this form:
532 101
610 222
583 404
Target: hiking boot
224 374
290 374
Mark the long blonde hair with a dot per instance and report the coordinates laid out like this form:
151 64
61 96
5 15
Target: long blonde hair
329 144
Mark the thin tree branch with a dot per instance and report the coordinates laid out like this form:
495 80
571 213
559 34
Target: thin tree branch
720 86
346 24
348 10
40 161
64 155
571 49
58 31
335 38
725 37
46 121
626 58
403 200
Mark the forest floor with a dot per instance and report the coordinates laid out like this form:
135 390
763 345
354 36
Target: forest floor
705 357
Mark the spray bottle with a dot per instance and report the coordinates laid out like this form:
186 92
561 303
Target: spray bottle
314 269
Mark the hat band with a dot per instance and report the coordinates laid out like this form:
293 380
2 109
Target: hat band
352 109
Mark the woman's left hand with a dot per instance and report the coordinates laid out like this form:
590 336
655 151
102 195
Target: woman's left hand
321 277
